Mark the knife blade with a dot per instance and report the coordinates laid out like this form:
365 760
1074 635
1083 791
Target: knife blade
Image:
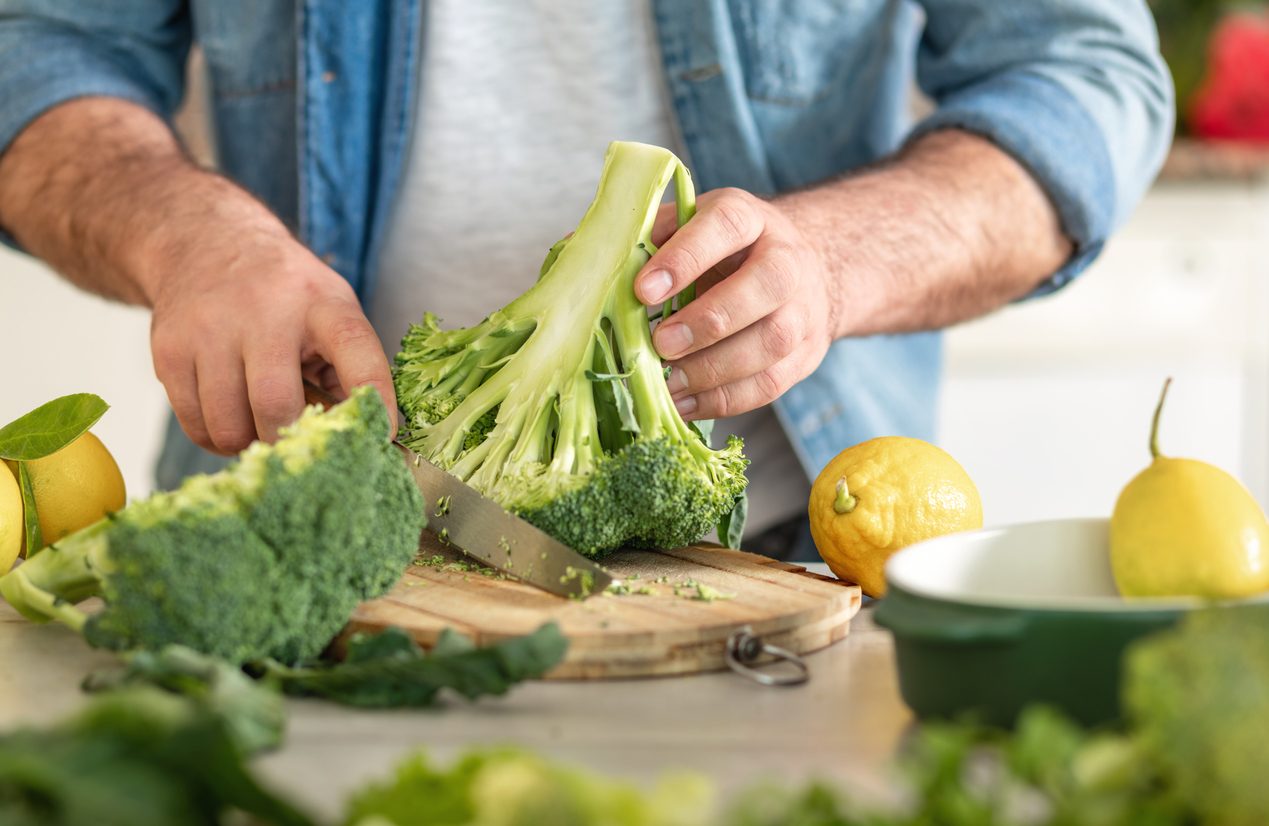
461 516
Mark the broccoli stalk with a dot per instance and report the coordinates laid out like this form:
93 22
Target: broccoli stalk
267 558
556 406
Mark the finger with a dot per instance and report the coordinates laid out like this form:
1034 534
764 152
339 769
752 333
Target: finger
274 384
751 392
724 224
767 280
181 383
755 348
342 335
222 392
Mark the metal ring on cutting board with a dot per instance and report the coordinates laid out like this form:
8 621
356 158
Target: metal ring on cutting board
744 647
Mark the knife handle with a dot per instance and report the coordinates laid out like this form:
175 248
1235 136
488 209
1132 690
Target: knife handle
316 395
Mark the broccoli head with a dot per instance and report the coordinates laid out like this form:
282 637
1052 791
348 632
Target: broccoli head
267 558
556 405
1198 698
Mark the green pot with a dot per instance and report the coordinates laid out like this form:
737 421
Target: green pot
989 621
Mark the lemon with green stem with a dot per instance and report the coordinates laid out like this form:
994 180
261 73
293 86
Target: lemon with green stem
1185 527
885 494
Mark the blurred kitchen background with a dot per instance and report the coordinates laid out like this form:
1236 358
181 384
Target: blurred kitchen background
1046 403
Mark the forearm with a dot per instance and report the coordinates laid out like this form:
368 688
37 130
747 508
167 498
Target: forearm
100 189
947 230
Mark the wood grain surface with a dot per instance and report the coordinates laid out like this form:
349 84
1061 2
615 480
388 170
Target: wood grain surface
670 628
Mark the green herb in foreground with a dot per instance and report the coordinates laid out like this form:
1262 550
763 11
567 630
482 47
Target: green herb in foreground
512 787
134 757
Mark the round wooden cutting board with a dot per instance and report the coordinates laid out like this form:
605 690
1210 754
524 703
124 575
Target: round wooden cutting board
682 606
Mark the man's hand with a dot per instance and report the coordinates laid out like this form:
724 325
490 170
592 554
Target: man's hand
947 230
236 322
762 320
99 189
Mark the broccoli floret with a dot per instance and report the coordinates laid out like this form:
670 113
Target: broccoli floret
556 405
1198 699
267 558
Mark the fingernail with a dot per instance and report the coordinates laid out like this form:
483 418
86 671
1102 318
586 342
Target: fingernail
685 405
677 382
655 286
673 339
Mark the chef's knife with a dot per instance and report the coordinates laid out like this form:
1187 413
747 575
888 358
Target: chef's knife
480 527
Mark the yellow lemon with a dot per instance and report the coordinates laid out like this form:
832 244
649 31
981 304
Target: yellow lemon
74 487
1184 527
10 521
885 494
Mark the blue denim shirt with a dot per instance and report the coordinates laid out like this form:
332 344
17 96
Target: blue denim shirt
313 99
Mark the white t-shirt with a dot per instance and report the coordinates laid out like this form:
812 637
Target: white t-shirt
517 105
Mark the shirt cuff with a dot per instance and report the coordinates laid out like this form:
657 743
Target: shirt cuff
1044 128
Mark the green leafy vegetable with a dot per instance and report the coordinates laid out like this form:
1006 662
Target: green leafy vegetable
731 528
510 787
253 711
134 757
50 427
267 558
389 669
1198 697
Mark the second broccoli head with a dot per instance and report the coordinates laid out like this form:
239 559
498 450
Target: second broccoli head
267 558
556 405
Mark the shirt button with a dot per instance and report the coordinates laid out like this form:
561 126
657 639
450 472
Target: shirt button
328 76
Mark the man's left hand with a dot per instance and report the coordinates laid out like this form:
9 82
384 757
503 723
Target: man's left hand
762 318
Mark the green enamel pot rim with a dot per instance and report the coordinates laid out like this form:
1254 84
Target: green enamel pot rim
1060 565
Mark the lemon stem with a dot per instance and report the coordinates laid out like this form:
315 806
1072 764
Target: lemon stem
846 501
1154 428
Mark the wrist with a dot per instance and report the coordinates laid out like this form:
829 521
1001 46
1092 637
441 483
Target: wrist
189 215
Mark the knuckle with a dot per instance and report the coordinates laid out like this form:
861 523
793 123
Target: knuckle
230 438
714 323
734 218
706 375
783 272
724 401
770 383
348 332
783 333
274 401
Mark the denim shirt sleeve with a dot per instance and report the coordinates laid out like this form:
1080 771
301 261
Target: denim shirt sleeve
52 51
1075 90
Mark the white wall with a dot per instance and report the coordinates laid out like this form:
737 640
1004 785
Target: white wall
59 340
1046 403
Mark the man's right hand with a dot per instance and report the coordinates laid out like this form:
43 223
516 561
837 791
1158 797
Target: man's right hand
99 188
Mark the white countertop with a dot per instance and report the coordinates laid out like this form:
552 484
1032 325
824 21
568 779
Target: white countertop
844 725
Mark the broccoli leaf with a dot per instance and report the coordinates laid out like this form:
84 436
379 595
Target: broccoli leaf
731 527
625 402
135 757
388 669
254 712
1198 696
703 428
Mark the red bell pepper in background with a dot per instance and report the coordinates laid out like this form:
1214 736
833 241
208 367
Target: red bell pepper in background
1232 102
